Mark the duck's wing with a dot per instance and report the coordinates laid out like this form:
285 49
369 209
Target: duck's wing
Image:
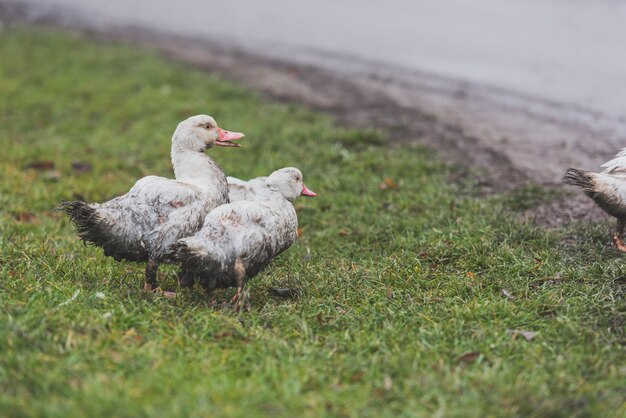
252 231
616 166
244 190
132 226
234 181
237 189
179 211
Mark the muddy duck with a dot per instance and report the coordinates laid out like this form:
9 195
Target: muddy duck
607 189
244 190
240 239
141 224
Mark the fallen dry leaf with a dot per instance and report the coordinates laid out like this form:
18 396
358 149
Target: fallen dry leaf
130 332
284 292
528 335
42 165
299 232
547 311
357 377
507 294
223 334
52 175
116 357
469 357
81 166
388 183
24 217
470 274
74 382
388 383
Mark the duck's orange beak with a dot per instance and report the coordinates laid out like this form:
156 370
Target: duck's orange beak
225 138
307 192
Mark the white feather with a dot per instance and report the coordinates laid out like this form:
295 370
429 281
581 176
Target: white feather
244 190
252 231
616 166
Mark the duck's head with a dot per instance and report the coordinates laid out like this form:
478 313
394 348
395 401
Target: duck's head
288 182
200 132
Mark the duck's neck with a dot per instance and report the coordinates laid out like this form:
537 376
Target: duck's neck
193 165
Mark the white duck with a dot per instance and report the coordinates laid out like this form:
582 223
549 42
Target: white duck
240 239
141 224
607 189
244 190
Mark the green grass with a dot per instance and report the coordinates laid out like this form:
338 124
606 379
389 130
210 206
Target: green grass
396 285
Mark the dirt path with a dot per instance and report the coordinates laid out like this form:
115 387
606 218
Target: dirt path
512 139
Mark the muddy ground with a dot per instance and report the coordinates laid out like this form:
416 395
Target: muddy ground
500 140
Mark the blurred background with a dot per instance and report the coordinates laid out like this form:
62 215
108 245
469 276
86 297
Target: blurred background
542 81
573 51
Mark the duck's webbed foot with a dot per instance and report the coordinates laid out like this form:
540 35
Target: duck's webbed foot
150 284
618 237
241 300
618 240
161 292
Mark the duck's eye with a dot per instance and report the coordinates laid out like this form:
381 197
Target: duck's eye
208 126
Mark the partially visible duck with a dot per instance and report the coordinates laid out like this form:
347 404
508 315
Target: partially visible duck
244 190
240 239
607 189
141 224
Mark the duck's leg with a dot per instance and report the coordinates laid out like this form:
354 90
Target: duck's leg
185 278
150 284
241 297
618 237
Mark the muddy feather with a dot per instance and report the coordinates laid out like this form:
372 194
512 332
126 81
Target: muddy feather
243 237
156 212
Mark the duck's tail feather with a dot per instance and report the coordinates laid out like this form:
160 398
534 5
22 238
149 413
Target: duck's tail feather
184 253
581 178
177 252
195 255
86 220
83 216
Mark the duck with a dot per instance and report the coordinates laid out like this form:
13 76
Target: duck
244 190
607 189
240 239
142 224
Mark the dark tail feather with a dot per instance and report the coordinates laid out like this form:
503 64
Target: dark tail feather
185 255
177 252
84 218
579 178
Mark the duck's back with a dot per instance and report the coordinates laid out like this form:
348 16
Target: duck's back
154 214
252 231
245 190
